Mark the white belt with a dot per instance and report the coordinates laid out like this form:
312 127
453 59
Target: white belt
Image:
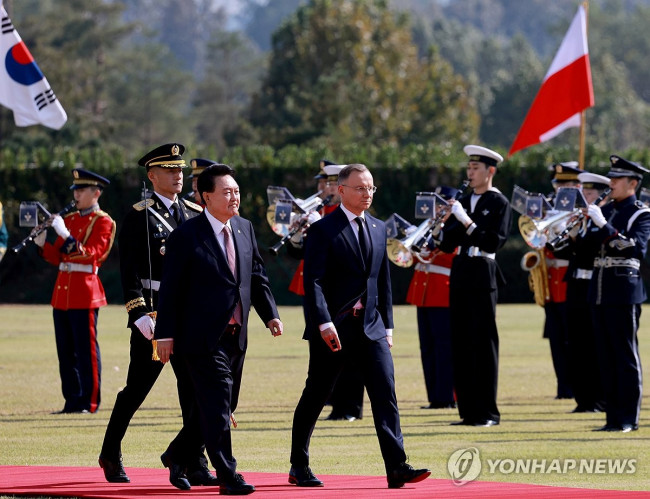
582 273
557 262
77 267
149 284
612 261
430 268
476 251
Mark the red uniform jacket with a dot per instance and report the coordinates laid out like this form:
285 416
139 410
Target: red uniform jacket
296 285
557 268
431 288
90 241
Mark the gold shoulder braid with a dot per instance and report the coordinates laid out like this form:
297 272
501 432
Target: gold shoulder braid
141 205
193 206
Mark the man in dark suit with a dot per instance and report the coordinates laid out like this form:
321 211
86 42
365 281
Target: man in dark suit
142 242
348 304
216 256
619 233
478 227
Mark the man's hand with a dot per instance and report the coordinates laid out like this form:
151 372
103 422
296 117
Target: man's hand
331 338
58 225
276 327
146 325
596 215
165 348
40 239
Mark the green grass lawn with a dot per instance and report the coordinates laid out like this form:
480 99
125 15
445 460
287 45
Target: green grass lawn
533 426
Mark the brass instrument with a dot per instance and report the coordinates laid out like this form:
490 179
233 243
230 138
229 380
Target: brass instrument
299 226
400 251
43 226
299 207
535 263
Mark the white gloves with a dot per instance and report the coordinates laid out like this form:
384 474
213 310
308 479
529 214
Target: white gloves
307 219
461 215
59 226
146 325
40 239
312 217
596 215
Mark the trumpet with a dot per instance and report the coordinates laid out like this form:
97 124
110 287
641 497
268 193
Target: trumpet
560 241
400 251
312 204
43 226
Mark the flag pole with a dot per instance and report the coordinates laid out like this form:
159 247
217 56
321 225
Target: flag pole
583 114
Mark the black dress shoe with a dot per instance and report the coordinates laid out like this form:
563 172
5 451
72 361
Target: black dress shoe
202 476
608 427
486 423
440 405
113 470
177 475
71 411
235 486
626 428
303 477
405 473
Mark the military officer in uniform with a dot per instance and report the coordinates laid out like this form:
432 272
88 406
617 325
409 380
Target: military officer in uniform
198 165
619 232
85 238
582 361
142 241
479 227
429 291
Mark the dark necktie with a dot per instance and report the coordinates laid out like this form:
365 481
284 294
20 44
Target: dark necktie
176 213
363 241
232 263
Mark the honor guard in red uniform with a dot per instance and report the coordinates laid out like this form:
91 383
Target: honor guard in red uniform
85 238
429 292
555 311
142 242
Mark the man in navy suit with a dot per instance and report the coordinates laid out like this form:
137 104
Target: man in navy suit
214 254
349 319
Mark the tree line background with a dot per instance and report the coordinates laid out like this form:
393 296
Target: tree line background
400 86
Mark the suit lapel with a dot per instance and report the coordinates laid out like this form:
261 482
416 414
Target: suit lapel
209 240
349 235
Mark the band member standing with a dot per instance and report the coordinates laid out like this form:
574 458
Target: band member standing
429 291
582 360
198 165
348 301
479 227
142 244
620 233
85 238
216 256
555 314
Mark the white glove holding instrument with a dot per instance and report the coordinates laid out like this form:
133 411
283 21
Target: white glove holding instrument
596 215
146 325
58 225
461 215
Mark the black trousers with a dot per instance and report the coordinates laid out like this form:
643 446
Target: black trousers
187 448
475 350
80 362
376 365
556 330
347 395
216 380
434 331
617 345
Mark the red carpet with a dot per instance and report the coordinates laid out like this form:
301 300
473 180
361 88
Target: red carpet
153 483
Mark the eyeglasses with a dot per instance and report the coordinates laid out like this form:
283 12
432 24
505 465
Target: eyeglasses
361 190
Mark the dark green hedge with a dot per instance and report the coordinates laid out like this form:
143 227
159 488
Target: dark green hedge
44 175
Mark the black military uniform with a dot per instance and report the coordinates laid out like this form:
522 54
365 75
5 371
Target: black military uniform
141 242
582 361
473 297
616 293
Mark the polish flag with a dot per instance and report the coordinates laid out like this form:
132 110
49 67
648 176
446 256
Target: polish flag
23 87
565 92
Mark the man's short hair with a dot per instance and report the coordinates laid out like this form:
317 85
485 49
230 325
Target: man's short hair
344 174
206 180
